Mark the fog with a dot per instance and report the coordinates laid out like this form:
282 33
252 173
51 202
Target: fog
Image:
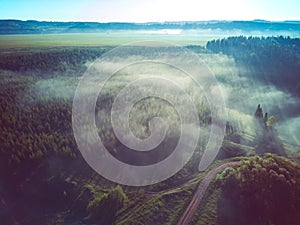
243 94
168 84
55 88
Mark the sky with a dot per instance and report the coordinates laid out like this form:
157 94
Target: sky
149 10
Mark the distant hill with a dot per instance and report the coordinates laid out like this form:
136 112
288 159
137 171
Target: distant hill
42 27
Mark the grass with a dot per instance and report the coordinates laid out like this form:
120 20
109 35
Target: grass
159 208
207 213
97 39
167 206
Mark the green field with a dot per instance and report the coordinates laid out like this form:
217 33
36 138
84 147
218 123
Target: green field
99 39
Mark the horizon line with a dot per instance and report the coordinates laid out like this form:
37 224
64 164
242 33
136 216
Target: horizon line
168 21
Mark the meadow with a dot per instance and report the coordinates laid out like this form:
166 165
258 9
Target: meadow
113 38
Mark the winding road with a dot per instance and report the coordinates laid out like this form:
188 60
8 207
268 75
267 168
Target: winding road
192 207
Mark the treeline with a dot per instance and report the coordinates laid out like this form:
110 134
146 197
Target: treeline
67 60
274 60
44 27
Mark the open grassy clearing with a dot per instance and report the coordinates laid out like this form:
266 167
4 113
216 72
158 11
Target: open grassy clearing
98 39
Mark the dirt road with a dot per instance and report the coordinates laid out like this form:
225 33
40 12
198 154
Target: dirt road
192 207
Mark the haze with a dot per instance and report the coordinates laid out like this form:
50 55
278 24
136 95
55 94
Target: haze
149 11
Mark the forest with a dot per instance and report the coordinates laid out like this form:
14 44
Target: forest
50 61
274 60
38 149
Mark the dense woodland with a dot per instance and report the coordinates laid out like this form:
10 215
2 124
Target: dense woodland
266 191
273 60
67 61
30 128
35 125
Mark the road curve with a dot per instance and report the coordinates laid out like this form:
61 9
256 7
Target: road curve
190 210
